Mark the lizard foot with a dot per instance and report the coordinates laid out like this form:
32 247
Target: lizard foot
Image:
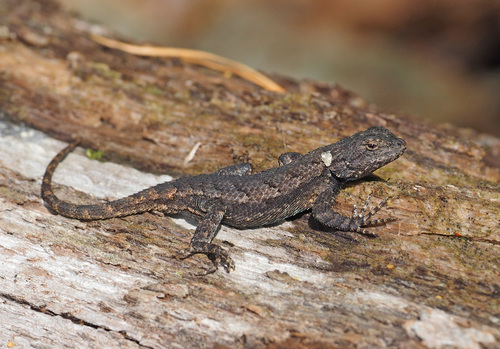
362 218
217 256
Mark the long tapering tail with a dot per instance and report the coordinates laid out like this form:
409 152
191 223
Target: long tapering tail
146 200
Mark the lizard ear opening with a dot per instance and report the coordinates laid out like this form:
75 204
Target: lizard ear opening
327 158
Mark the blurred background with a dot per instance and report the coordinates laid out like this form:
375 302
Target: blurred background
437 59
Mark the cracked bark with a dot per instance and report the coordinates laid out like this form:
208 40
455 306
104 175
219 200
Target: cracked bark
115 284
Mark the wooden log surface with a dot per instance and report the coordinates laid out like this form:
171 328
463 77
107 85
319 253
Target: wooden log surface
430 279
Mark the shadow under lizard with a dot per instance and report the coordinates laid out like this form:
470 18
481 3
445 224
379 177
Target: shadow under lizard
235 197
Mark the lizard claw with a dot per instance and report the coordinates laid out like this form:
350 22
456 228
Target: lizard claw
185 253
362 218
222 258
217 256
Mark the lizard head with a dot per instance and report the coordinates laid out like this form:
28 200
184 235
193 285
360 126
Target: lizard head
359 155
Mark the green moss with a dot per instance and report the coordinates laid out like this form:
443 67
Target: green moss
154 90
104 70
94 154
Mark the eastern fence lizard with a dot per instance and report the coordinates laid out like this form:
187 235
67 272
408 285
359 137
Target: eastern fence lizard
235 197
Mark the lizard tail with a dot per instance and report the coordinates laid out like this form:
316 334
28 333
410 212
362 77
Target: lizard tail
137 203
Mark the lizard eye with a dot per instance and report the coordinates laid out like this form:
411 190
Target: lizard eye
371 146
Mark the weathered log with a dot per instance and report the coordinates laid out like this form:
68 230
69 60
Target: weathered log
430 279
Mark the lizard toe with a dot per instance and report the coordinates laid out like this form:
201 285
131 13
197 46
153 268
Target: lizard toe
185 253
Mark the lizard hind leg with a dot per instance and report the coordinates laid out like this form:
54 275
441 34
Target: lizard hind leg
201 243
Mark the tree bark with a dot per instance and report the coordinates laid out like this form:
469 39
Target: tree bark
430 279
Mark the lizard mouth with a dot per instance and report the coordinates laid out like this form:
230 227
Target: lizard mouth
402 144
398 150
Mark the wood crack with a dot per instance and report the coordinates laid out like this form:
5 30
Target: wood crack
67 316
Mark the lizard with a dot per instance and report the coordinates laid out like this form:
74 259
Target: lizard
236 197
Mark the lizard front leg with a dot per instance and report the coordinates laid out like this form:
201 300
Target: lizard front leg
202 241
322 211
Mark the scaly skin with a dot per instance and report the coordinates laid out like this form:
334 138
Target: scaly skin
234 197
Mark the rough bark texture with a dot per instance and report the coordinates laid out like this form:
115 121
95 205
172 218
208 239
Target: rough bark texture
431 279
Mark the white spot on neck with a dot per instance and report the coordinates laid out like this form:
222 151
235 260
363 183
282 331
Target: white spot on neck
327 158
